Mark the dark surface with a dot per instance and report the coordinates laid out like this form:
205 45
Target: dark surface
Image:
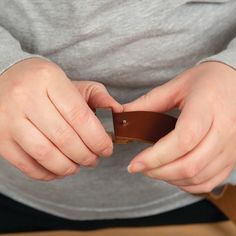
16 217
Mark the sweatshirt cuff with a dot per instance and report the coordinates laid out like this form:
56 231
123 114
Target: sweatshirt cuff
227 57
11 60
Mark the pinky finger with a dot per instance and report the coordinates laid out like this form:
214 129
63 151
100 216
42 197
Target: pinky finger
209 185
13 153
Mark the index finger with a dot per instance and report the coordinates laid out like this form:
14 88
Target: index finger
78 114
191 127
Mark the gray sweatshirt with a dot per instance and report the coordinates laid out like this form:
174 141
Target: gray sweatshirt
131 47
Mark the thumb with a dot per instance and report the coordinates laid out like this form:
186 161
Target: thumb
159 99
96 95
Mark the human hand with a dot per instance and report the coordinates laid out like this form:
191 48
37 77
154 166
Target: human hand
47 124
200 152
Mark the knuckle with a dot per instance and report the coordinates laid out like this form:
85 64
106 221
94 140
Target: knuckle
102 144
186 140
94 85
72 169
42 151
75 115
24 167
157 162
44 70
149 174
193 191
63 136
46 177
189 171
98 85
196 180
42 177
88 160
95 163
32 172
206 188
152 174
18 92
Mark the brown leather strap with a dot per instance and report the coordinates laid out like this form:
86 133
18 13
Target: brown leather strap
143 126
149 127
225 201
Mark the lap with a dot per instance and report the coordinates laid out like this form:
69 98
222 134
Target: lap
16 217
206 229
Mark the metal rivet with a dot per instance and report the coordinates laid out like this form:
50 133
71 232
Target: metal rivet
124 122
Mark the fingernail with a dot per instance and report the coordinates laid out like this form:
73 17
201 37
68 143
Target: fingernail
136 167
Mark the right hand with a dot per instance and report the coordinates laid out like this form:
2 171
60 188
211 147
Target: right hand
47 124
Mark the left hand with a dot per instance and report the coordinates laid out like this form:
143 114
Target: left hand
200 152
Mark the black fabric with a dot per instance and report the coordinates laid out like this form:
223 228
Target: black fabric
16 217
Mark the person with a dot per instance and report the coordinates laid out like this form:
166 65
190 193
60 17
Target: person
60 60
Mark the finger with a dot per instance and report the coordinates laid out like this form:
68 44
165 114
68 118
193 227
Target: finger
211 170
15 155
82 119
49 121
193 162
96 95
192 126
159 99
33 142
210 184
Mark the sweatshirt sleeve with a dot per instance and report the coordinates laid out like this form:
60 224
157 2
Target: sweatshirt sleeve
11 51
227 56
